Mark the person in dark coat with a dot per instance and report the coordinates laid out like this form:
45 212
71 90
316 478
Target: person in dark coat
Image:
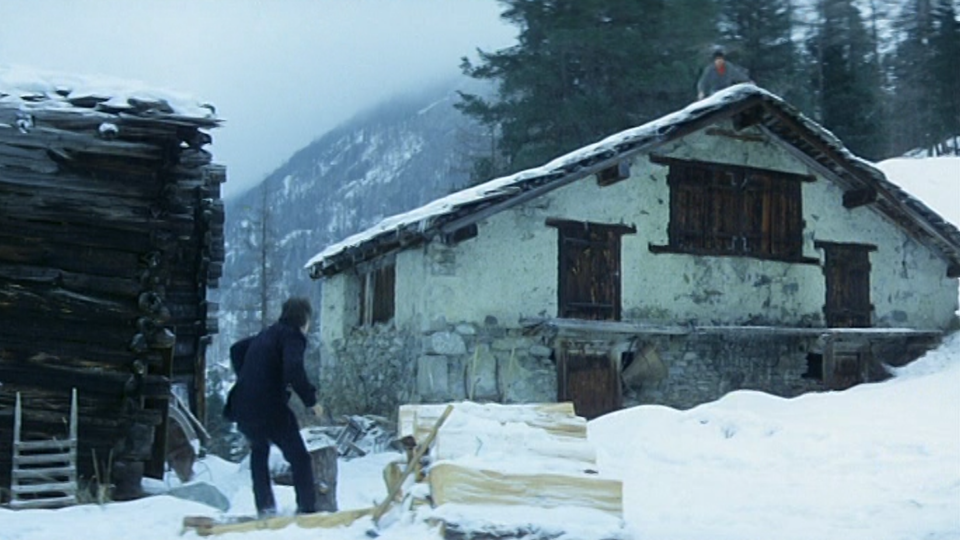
266 365
719 75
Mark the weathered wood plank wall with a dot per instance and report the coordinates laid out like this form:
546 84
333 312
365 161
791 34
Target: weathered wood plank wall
111 231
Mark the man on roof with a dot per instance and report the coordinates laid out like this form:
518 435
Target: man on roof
719 75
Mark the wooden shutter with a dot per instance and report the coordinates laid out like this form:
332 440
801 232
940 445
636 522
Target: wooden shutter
687 207
729 210
589 270
847 274
384 284
785 230
726 213
377 295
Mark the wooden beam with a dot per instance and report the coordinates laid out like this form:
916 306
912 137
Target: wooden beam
859 197
726 133
578 328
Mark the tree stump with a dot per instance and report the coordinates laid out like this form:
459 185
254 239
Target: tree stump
323 458
324 461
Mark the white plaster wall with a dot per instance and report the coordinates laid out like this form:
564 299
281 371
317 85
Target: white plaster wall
338 306
331 308
908 281
667 287
510 269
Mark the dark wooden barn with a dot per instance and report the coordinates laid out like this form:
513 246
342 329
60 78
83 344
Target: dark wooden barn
111 232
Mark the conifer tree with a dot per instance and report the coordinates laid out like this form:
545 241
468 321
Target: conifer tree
945 65
913 78
925 76
846 78
582 70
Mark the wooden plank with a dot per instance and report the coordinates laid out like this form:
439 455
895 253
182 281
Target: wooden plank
122 215
76 258
79 346
68 305
454 443
108 383
207 526
95 235
556 418
131 181
50 137
452 483
71 281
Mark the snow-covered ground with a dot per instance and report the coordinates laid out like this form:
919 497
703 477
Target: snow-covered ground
877 462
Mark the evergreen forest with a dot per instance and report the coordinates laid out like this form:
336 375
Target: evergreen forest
883 75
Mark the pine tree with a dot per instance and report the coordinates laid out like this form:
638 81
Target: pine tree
913 78
584 69
945 47
846 78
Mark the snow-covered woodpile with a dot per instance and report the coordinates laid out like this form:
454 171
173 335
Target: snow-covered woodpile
111 230
497 471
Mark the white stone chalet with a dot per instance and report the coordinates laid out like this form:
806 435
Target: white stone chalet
732 244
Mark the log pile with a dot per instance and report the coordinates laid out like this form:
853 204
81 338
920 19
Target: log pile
111 231
506 456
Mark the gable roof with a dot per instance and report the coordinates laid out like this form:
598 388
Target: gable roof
746 104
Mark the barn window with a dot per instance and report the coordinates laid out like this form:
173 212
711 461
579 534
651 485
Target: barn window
589 269
377 287
718 209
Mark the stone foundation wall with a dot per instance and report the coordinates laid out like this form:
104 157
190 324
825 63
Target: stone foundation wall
375 370
368 372
693 369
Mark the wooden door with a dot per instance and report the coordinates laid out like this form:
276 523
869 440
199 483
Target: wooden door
847 274
591 382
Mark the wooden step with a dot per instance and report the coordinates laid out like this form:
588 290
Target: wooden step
63 446
42 459
47 502
61 487
44 472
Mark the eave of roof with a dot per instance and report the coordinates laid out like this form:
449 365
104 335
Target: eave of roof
808 141
35 91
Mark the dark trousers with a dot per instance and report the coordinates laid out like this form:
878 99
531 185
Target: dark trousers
285 433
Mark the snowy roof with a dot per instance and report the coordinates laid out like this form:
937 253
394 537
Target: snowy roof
29 89
753 105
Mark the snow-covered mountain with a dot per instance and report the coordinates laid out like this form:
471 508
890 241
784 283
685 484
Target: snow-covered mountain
390 159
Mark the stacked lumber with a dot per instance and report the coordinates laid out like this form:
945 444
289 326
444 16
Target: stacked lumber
111 231
509 456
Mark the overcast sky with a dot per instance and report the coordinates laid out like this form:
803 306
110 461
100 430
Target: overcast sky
281 73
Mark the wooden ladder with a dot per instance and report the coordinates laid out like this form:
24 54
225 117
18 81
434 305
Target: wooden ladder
44 473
